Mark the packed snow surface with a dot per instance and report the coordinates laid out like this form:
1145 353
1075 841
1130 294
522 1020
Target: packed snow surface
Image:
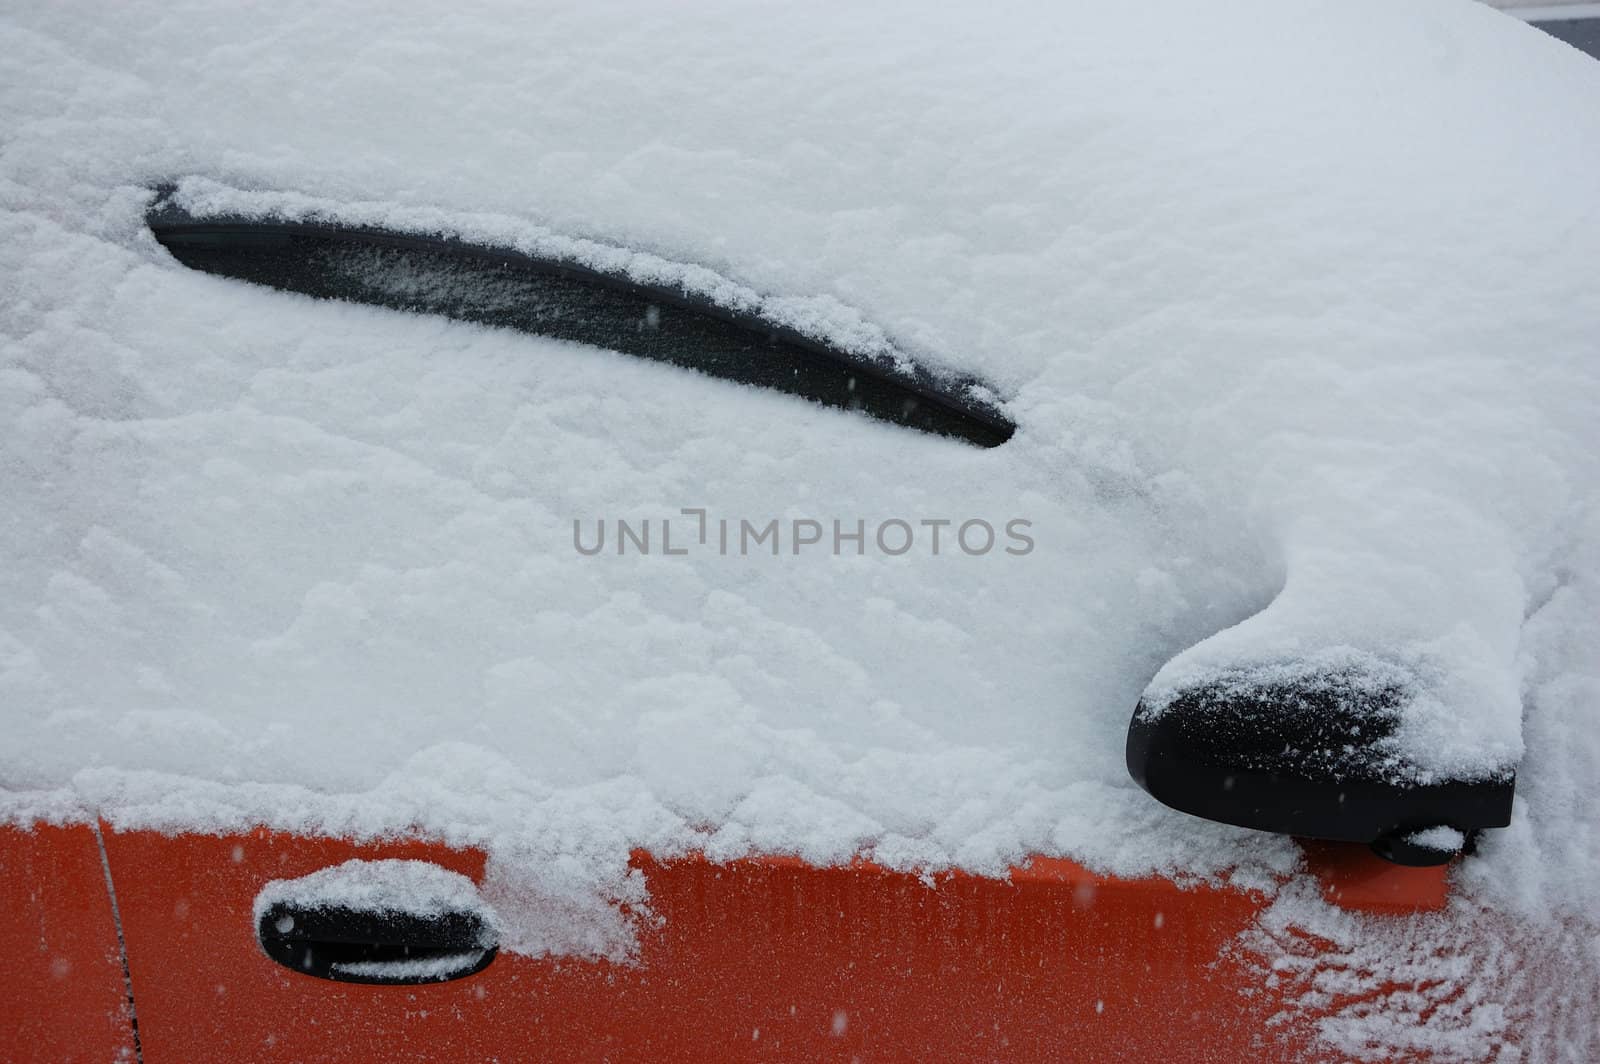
1441 838
441 966
1293 304
409 888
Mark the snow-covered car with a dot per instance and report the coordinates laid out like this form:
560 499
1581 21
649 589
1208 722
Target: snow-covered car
609 531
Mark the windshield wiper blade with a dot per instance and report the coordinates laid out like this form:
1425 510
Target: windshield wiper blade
570 300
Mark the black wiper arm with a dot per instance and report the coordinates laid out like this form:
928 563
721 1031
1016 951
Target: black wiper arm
569 300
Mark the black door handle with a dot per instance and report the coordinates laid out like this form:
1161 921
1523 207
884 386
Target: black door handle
394 937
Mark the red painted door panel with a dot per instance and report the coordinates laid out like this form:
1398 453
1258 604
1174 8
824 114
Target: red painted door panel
758 960
62 997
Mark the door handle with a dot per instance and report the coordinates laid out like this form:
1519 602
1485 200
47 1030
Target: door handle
391 923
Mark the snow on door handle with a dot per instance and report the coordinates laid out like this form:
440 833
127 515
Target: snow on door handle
396 923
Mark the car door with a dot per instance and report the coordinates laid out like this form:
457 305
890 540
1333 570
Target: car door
766 958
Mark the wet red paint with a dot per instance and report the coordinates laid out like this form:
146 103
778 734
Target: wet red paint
762 959
62 997
1353 877
757 960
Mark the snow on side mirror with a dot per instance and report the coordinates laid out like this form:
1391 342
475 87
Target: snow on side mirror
1306 748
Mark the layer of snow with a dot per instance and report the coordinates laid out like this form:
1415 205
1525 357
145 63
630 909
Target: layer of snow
440 966
1293 303
1440 839
405 888
1465 984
